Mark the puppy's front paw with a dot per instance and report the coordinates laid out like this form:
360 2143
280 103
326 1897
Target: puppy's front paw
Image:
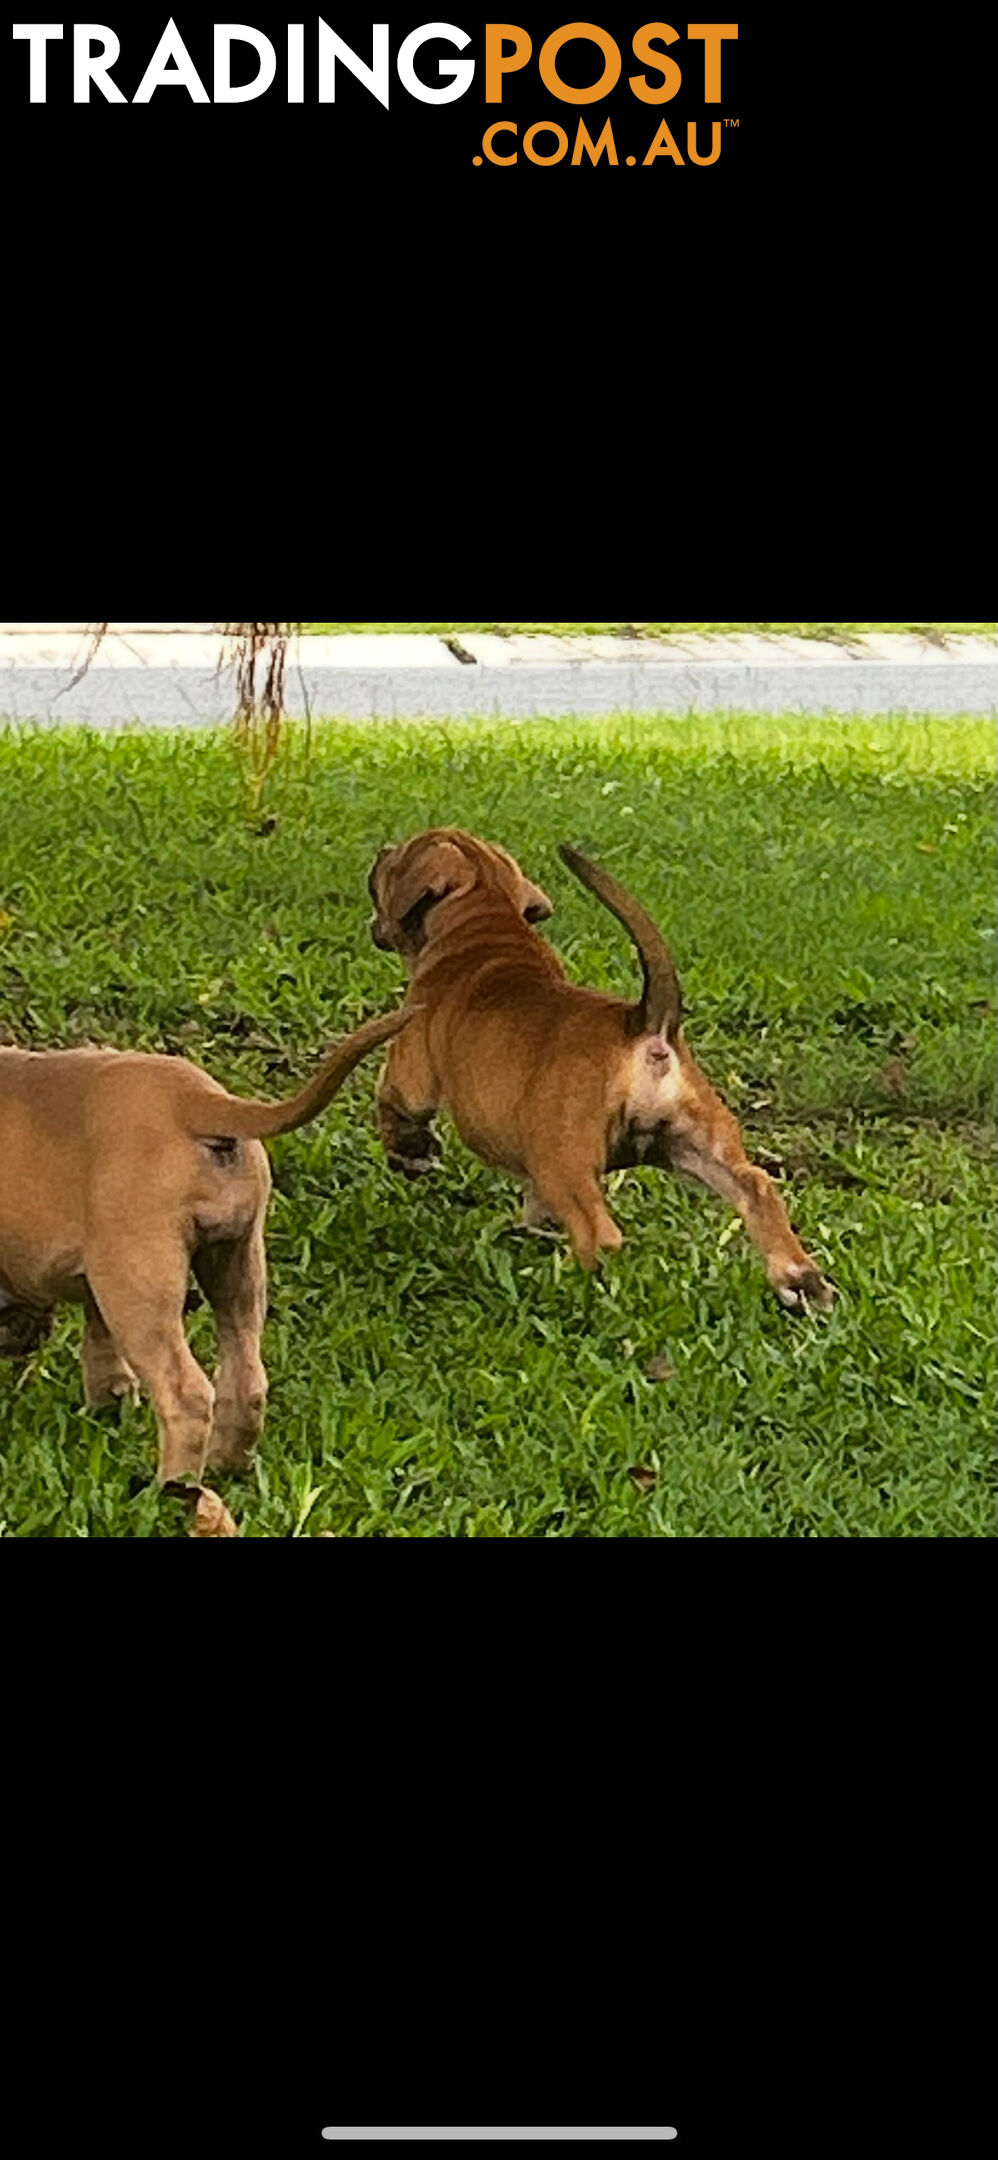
111 1391
802 1288
412 1150
211 1517
412 1166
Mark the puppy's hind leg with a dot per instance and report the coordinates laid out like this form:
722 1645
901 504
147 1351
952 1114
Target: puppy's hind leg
140 1288
107 1378
233 1277
707 1144
407 1102
575 1199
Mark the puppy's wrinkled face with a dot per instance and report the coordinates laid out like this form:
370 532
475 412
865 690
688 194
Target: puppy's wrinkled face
408 882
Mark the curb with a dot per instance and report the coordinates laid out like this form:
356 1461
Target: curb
172 678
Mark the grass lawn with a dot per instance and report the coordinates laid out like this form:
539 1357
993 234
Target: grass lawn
838 632
829 891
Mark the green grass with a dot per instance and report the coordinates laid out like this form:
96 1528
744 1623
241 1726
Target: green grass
838 632
829 890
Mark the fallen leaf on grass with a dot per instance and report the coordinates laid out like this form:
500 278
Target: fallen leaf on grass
660 1368
645 1480
893 1078
212 1518
926 847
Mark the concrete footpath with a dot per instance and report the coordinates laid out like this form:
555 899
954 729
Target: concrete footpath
181 674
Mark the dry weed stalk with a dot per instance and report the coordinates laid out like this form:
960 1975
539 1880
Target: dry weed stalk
259 702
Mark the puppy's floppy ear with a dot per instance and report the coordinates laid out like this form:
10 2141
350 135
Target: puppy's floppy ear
535 906
532 902
390 848
433 873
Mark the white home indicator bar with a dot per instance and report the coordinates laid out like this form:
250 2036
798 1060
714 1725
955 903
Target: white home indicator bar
607 2137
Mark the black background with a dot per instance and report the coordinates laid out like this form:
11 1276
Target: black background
599 1835
314 352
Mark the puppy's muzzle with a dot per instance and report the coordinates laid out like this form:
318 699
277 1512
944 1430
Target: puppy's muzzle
380 936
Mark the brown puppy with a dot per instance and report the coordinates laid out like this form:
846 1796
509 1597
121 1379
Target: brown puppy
118 1173
553 1083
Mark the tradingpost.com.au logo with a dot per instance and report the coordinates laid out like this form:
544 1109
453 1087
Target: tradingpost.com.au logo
661 61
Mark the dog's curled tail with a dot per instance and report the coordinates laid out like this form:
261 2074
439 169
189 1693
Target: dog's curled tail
661 1009
262 1121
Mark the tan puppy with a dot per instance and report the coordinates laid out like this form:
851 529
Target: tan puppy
553 1083
118 1173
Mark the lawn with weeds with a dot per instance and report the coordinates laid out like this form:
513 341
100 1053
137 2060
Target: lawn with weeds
829 889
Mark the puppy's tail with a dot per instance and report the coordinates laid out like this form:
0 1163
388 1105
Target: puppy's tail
661 1009
261 1121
